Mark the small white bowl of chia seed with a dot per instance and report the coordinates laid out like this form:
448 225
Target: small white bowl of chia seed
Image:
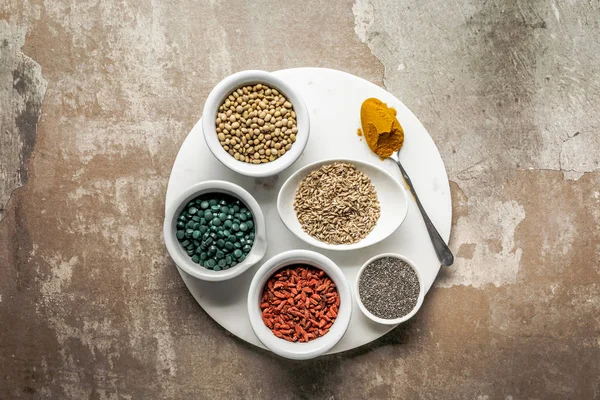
389 289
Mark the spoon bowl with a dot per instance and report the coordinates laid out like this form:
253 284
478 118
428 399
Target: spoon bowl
393 201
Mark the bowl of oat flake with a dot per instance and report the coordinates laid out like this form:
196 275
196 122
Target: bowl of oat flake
255 123
389 289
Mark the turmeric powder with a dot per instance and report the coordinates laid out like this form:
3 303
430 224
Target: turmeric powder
381 129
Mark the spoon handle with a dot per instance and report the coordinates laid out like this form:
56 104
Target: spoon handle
441 249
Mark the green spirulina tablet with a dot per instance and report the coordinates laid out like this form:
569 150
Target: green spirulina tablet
216 230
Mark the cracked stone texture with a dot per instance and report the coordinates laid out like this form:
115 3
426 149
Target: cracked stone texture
97 96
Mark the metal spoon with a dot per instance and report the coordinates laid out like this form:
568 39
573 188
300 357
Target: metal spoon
441 248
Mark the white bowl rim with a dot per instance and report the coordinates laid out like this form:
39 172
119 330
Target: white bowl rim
341 247
228 85
182 260
314 348
404 318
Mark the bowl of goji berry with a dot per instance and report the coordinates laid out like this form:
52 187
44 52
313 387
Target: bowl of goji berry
299 304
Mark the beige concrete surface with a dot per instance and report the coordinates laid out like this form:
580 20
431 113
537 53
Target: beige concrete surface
96 97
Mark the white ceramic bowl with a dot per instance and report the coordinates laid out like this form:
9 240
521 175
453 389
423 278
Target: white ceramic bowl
395 321
177 252
224 89
296 350
392 196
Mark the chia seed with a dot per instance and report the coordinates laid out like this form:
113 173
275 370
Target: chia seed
389 288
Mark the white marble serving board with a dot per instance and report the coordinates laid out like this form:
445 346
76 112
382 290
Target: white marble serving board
333 99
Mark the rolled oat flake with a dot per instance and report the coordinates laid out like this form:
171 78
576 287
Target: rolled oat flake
389 288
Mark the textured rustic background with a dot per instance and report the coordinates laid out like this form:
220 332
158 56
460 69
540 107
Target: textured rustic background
96 97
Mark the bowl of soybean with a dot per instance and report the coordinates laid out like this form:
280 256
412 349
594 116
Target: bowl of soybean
215 230
255 123
389 289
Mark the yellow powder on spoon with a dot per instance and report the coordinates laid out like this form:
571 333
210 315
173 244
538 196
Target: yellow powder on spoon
381 129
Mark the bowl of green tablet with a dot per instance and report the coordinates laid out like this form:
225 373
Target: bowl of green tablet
215 230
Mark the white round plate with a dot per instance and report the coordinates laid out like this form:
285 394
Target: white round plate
333 99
